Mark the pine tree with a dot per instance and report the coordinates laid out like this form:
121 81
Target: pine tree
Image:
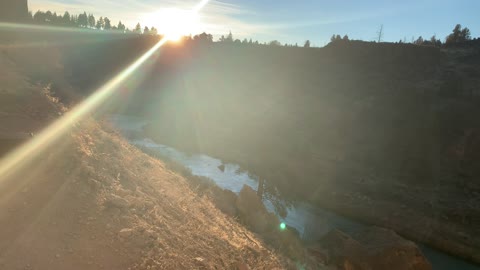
100 23
107 24
83 20
91 21
138 28
121 26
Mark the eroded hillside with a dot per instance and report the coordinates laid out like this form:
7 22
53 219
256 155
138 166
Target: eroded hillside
92 201
385 133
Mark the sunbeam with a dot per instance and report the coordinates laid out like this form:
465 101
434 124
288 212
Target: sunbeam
19 157
200 5
58 128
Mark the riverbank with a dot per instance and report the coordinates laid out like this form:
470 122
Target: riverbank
385 133
93 201
419 218
312 223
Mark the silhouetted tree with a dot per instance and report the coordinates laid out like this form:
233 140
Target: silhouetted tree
307 44
203 38
66 20
74 20
335 38
466 34
39 17
48 16
458 35
107 25
100 23
120 26
83 20
56 20
138 28
275 43
380 34
345 38
228 39
435 42
146 30
419 41
91 21
153 31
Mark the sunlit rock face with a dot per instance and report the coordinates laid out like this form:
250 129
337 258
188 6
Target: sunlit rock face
13 10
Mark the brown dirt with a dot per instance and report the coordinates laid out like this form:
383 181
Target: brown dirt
94 202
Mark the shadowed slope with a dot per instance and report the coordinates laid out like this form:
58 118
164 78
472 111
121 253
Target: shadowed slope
94 202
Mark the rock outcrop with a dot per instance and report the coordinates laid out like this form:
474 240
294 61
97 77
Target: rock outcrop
373 249
253 213
13 10
225 201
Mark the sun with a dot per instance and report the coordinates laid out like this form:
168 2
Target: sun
173 23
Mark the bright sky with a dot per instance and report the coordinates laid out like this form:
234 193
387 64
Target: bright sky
290 20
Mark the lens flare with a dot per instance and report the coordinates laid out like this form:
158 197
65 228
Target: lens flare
283 226
174 23
200 5
19 157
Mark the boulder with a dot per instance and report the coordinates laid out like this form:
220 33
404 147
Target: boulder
343 250
225 200
391 250
222 168
253 213
373 248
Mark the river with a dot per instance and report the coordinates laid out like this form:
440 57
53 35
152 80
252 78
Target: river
311 222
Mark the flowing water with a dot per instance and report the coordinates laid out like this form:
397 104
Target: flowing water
311 222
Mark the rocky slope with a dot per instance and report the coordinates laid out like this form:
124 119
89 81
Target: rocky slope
92 201
383 133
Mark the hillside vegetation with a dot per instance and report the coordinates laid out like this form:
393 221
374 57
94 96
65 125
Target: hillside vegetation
385 133
92 201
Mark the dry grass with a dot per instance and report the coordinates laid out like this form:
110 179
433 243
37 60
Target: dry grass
185 230
94 202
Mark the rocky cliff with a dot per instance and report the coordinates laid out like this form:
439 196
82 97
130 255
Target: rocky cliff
13 10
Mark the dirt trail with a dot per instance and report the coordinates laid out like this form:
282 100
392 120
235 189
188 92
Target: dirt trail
94 202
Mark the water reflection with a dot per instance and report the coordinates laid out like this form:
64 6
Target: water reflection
312 223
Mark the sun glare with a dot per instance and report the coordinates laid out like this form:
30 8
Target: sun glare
173 23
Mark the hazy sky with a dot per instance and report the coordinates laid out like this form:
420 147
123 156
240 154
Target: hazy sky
295 20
